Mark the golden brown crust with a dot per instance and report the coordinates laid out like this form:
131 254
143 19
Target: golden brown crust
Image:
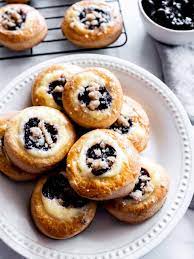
6 167
103 187
102 36
81 114
40 88
34 29
140 130
131 211
36 162
58 228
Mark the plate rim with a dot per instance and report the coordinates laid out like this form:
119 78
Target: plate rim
182 123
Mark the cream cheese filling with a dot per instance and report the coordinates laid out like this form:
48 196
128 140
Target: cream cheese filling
95 139
51 117
56 210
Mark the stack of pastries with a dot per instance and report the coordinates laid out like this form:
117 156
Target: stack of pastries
81 140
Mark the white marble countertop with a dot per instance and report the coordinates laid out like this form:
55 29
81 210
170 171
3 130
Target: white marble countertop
140 50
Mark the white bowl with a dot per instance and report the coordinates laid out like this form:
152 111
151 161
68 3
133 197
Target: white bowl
162 34
170 145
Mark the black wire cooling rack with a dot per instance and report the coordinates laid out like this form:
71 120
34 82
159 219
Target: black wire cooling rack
55 42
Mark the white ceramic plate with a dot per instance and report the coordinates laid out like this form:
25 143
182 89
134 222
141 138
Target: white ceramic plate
170 145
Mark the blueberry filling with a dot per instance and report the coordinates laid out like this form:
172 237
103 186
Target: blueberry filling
55 88
100 158
95 98
13 19
141 181
94 18
173 14
122 125
39 134
142 186
57 187
1 144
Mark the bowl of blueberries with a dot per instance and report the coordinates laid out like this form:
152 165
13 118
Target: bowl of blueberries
169 21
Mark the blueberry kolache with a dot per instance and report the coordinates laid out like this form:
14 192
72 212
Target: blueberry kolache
92 24
133 123
21 27
99 167
57 210
38 138
93 98
49 84
147 197
172 14
6 166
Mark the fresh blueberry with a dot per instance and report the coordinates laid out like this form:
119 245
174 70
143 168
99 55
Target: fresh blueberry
173 14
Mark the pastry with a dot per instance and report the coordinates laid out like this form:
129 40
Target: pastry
49 84
93 98
38 138
147 197
21 27
57 210
133 123
92 24
99 166
6 166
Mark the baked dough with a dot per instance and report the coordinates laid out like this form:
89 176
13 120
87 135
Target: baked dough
57 210
6 166
100 167
21 27
49 84
93 98
147 197
92 24
38 138
133 123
